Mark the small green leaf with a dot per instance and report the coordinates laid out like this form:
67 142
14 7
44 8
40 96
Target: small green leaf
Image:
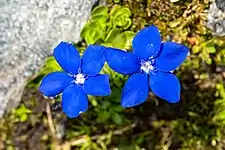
101 18
120 17
23 118
112 35
114 10
107 44
118 108
196 49
127 23
100 10
210 49
115 96
129 35
119 10
129 147
22 110
140 140
52 64
105 104
92 32
121 22
116 1
93 101
220 115
117 118
118 82
21 113
103 116
192 114
119 41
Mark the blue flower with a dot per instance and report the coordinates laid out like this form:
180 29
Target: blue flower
150 67
81 77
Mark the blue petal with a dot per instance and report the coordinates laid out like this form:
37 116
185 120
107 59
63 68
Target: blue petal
54 83
74 101
135 90
97 85
171 56
93 59
121 61
165 86
147 42
67 57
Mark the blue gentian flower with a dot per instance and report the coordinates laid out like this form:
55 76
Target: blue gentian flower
81 77
150 67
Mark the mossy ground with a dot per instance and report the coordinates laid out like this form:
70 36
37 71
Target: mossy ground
196 123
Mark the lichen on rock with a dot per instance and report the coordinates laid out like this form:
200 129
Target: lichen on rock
216 18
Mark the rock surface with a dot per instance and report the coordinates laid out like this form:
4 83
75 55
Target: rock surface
216 17
29 30
221 4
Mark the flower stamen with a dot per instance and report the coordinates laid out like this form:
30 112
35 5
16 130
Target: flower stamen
147 66
79 79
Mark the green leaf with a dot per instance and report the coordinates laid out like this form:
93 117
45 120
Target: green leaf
120 17
93 101
106 104
196 49
122 22
140 140
22 110
119 42
22 113
127 23
129 147
114 97
192 114
118 108
23 118
210 49
117 118
52 64
114 10
119 10
221 115
103 116
101 9
116 1
129 35
107 44
112 34
101 18
92 32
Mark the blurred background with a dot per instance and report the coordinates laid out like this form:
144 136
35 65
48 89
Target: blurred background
197 122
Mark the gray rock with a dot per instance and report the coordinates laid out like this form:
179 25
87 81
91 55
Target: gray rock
220 4
29 30
216 18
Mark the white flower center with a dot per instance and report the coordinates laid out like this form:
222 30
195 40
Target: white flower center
79 78
146 66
